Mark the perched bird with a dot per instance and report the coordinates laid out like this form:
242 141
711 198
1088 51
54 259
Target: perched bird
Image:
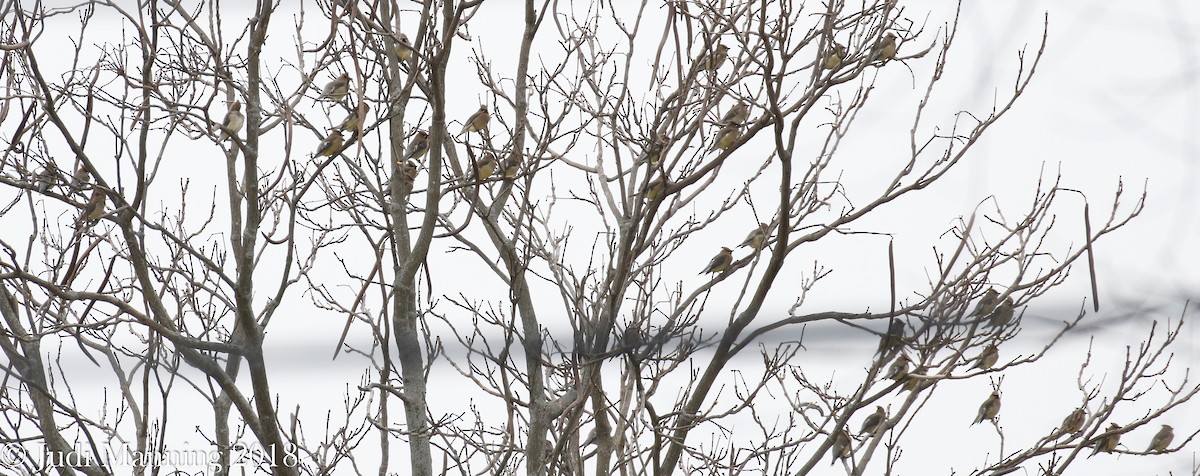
987 358
885 49
1072 423
48 177
418 147
654 189
736 115
653 151
1002 314
404 49
841 446
834 57
720 262
726 136
1108 444
914 380
354 119
331 145
989 409
80 178
1161 440
512 165
873 421
94 209
336 89
408 176
233 120
710 61
899 368
485 168
893 339
478 121
757 238
987 303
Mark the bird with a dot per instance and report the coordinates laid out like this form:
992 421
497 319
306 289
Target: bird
652 153
336 89
418 147
728 134
987 303
48 177
757 238
94 209
478 121
485 168
654 189
1161 440
353 120
404 49
408 176
512 165
885 49
720 262
834 57
987 358
989 409
914 381
1002 314
841 446
233 120
331 145
873 421
80 178
1072 423
893 339
899 368
1108 443
736 115
710 61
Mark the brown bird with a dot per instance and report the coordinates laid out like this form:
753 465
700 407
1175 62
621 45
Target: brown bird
841 446
726 136
486 167
757 238
48 177
478 121
233 120
94 209
354 119
331 145
512 165
987 303
834 57
710 61
336 89
989 409
418 147
736 115
873 421
653 151
80 178
1072 423
1161 440
408 176
885 49
404 49
654 189
987 358
899 368
915 381
1003 313
1108 444
893 339
720 262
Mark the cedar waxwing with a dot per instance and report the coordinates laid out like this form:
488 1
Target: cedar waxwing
478 121
899 368
1161 440
987 303
1002 314
757 238
1108 444
48 177
404 49
914 381
233 120
95 205
841 447
80 178
874 421
726 136
714 60
737 115
987 358
989 409
720 262
418 147
408 176
893 339
654 189
331 145
1072 423
353 120
834 57
336 89
487 166
885 49
653 151
512 165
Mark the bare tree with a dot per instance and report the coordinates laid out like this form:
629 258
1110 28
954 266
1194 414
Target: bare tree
542 248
